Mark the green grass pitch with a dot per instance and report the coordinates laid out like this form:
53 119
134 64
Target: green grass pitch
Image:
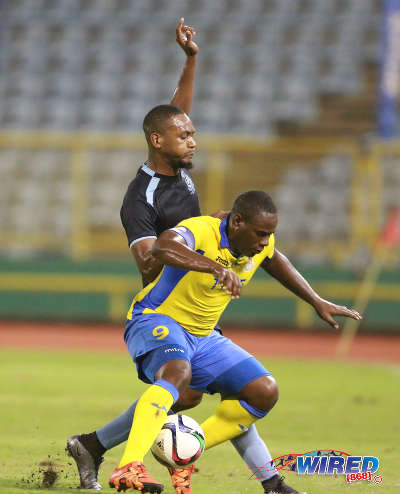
46 396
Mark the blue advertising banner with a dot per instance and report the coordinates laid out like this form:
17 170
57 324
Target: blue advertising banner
390 71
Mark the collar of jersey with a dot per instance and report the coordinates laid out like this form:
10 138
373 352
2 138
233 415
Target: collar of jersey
223 231
223 227
148 170
152 173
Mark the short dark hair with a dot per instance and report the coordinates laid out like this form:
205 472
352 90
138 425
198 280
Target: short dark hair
253 202
155 119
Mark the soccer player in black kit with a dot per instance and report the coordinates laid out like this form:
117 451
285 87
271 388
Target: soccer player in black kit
160 196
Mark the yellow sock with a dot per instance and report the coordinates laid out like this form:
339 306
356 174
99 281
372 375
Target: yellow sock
229 420
150 414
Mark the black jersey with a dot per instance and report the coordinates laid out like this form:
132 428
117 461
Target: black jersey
154 202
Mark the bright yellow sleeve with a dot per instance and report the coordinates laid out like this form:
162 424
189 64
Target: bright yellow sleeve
202 230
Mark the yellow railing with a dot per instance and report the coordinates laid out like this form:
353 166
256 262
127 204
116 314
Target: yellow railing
119 289
228 169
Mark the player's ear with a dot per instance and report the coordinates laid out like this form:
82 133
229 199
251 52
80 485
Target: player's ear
236 221
156 140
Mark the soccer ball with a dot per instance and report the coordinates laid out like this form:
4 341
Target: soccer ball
179 443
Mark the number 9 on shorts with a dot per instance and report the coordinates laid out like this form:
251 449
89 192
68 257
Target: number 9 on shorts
160 332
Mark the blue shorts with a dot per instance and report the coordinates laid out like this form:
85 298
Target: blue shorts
218 364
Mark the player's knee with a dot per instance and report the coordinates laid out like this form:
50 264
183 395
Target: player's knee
189 399
271 393
178 372
262 393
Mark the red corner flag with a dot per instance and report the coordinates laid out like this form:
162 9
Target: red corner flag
390 236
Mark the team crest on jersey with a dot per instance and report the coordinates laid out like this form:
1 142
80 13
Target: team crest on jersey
188 181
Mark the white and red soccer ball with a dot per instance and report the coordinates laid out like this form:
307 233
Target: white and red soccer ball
179 443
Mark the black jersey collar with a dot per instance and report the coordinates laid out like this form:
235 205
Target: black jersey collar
146 169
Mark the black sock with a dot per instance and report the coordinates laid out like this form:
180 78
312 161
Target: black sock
92 444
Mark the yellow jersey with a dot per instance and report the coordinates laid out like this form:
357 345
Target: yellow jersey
193 299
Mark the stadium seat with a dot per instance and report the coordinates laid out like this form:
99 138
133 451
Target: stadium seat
115 40
60 114
102 65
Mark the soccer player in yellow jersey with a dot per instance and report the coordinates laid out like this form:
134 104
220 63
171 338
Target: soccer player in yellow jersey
170 328
162 195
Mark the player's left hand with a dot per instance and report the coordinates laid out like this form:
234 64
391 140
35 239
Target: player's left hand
184 37
326 310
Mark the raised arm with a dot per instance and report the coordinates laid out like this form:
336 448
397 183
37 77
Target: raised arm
183 94
170 248
283 270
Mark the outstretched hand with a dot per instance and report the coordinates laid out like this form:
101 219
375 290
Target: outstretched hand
326 310
184 37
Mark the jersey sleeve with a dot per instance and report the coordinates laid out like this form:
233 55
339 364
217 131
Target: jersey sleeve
138 219
186 234
200 230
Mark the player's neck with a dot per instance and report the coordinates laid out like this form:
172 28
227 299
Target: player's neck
232 248
159 165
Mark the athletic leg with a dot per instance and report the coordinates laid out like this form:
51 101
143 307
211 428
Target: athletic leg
87 449
150 414
153 406
239 374
117 431
255 454
235 415
163 360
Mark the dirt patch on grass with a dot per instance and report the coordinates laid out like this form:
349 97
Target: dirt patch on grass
49 474
45 474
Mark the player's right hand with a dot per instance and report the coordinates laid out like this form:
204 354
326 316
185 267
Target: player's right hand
184 37
228 280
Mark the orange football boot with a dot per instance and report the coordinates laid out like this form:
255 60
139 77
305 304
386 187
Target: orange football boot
134 476
181 479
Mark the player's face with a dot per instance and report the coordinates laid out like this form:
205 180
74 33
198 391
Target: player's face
177 142
250 237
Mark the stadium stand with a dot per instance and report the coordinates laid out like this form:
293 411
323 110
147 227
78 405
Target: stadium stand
92 58
100 65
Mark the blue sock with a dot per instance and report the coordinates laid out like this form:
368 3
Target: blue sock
117 431
255 453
